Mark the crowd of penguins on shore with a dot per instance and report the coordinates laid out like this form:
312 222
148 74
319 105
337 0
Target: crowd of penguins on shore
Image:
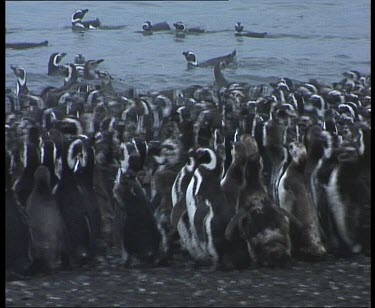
230 175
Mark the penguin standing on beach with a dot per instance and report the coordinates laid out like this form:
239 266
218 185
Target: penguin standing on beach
49 245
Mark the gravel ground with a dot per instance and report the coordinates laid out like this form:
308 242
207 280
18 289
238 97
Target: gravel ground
344 282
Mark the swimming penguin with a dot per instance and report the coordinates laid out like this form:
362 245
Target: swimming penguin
79 24
25 45
149 28
239 32
181 29
193 62
139 235
46 223
294 198
54 66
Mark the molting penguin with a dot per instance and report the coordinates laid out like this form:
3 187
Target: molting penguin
46 223
258 221
220 80
54 66
239 32
294 198
79 24
192 59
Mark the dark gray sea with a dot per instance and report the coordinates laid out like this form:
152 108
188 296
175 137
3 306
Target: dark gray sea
307 39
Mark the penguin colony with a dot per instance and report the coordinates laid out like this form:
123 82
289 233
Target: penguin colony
231 174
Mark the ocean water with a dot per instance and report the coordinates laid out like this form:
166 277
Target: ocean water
307 39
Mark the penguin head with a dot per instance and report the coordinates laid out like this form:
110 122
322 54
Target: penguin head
147 26
190 58
180 26
78 15
79 59
74 154
238 27
42 178
20 74
48 153
297 150
129 159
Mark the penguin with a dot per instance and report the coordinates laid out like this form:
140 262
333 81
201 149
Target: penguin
178 195
72 204
22 187
349 195
89 69
21 75
18 239
239 32
54 66
25 45
47 226
233 181
192 61
79 24
48 156
85 184
181 29
294 198
149 28
258 221
79 59
209 212
220 80
139 235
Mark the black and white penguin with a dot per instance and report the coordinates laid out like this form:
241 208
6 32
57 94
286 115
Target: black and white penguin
179 218
138 234
48 156
181 29
294 198
21 75
89 69
149 28
72 204
349 195
47 226
238 27
23 186
209 212
79 24
54 66
192 61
